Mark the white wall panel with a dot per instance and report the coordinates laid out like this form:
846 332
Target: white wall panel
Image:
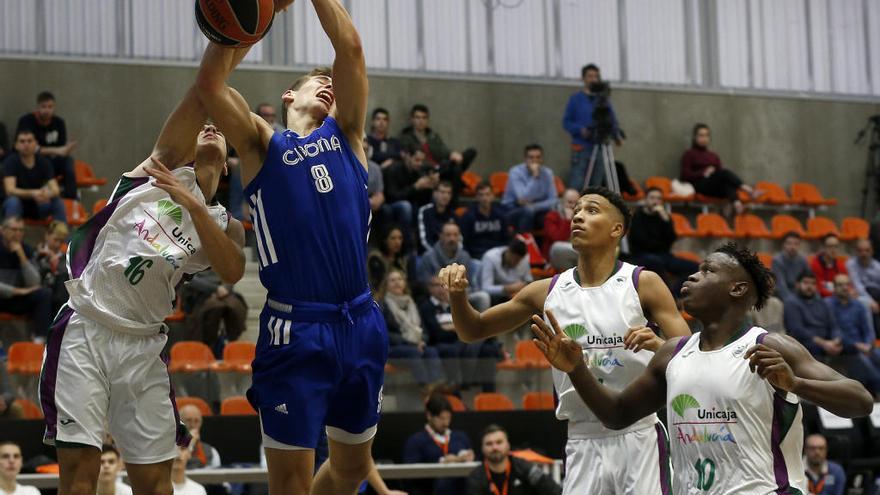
590 33
655 37
520 39
403 30
874 45
848 50
370 17
731 18
17 26
445 38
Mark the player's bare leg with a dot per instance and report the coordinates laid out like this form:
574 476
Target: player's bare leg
290 471
78 468
345 469
150 479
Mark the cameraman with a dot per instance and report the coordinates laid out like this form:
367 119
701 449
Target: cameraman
580 122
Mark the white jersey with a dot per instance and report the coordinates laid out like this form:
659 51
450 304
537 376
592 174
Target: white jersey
730 431
126 261
598 318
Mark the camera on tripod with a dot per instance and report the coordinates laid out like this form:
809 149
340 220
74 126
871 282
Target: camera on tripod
602 130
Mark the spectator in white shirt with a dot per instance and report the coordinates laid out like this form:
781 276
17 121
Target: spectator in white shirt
505 271
108 478
10 467
182 484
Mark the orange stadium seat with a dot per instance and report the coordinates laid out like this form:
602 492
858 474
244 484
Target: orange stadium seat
460 211
99 205
25 358
689 255
492 401
682 226
236 406
766 259
237 357
713 225
750 226
76 213
538 400
190 356
30 410
854 228
200 403
178 314
771 193
807 194
783 224
530 356
560 185
638 196
498 180
85 175
456 403
471 180
819 227
665 186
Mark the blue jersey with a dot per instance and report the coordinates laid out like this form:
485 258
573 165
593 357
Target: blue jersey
311 216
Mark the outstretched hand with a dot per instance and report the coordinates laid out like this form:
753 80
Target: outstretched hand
771 366
453 277
564 353
169 183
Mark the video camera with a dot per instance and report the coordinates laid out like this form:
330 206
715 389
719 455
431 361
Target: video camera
603 123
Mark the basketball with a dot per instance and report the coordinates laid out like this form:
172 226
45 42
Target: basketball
235 23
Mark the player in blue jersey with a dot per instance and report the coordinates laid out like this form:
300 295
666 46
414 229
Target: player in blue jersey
323 343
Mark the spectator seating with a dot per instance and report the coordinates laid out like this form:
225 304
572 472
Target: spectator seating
492 401
190 356
665 186
29 409
25 358
470 179
713 225
806 194
538 401
530 356
85 175
853 229
766 259
750 226
237 357
682 226
236 406
783 224
819 227
638 196
99 205
76 213
498 181
771 193
203 406
560 185
178 314
456 403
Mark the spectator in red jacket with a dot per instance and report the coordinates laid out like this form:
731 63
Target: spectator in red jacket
702 168
827 264
557 232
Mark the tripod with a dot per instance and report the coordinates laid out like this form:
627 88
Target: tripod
871 191
603 156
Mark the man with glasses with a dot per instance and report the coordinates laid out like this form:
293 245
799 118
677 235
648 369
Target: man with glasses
20 290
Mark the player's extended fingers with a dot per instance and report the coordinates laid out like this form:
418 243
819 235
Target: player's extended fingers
754 349
457 273
541 346
540 329
632 334
158 164
638 341
770 366
556 328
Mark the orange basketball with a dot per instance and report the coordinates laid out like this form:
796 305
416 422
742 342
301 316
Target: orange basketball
235 23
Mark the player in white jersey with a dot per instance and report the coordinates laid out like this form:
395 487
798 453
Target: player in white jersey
102 364
605 305
731 391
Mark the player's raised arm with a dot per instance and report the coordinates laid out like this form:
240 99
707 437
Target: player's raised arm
659 307
788 366
471 325
616 410
176 144
247 132
350 86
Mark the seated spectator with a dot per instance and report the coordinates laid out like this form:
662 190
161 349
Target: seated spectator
433 215
856 333
9 409
865 273
483 225
504 473
51 263
392 253
203 455
20 290
385 149
505 270
530 191
771 317
10 468
51 134
183 485
809 320
382 214
267 112
788 265
651 236
827 264
702 168
465 364
437 443
409 183
406 336
208 301
446 251
31 190
824 477
557 232
450 163
109 482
